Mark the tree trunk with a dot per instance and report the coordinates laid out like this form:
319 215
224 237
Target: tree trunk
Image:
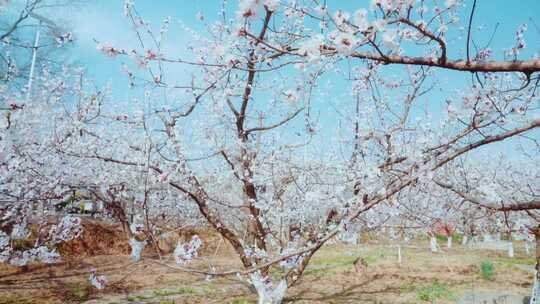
449 242
464 240
527 250
136 248
266 292
433 244
535 295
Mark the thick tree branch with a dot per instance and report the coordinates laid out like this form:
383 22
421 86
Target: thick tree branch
509 206
523 66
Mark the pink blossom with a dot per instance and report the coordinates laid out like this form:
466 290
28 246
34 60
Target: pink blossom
107 49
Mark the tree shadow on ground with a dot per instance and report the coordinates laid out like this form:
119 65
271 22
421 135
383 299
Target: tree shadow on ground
353 293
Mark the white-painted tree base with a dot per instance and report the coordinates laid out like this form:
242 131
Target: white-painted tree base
510 249
433 244
266 292
535 295
449 242
136 249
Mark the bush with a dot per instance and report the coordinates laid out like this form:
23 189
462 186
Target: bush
433 292
487 270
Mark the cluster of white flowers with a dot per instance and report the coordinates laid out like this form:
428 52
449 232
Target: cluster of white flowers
293 261
255 253
272 5
20 231
5 248
349 236
483 54
185 253
108 49
249 8
44 255
128 5
360 19
67 229
520 41
450 3
98 281
312 47
137 226
252 8
389 40
341 17
392 5
290 96
345 42
64 38
163 177
40 254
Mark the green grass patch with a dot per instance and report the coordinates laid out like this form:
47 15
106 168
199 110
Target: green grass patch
506 261
440 238
175 291
139 297
329 265
457 237
487 270
371 259
333 263
319 271
337 261
433 292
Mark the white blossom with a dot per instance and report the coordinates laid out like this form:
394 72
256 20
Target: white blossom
185 253
340 17
346 43
450 3
272 5
360 19
388 39
249 8
98 281
290 96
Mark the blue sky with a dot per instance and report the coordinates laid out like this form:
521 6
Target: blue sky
103 20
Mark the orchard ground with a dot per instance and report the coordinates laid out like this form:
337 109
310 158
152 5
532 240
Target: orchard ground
450 276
